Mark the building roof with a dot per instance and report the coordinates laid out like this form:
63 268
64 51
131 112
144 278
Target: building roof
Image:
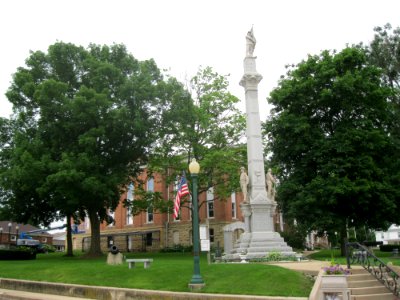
22 228
59 236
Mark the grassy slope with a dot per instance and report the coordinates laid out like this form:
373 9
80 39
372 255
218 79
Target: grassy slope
169 271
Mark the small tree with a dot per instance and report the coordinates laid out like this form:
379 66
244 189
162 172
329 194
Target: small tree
203 123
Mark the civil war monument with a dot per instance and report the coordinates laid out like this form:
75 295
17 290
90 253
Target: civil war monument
259 237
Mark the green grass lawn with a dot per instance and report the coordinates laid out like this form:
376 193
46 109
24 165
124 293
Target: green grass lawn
169 272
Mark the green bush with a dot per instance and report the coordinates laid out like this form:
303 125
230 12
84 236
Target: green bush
388 248
177 248
45 248
294 237
21 253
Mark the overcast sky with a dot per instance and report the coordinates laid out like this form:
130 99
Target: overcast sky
181 35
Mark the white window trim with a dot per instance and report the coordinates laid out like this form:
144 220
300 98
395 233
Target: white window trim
130 196
210 199
233 206
150 190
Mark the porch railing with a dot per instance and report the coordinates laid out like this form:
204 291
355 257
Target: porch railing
360 254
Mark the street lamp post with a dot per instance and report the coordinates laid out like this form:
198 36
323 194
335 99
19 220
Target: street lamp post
9 232
196 282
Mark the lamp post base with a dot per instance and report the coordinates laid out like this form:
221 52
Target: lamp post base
196 286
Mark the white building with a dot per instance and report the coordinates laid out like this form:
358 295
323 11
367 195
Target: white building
391 236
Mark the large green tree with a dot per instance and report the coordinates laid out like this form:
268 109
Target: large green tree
384 52
86 120
330 143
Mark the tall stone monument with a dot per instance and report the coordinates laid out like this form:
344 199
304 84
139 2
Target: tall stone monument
259 237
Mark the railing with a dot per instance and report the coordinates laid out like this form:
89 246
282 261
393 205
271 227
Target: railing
359 254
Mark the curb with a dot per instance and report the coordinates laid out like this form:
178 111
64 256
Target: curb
112 293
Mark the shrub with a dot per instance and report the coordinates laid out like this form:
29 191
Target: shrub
274 256
178 248
21 253
294 237
372 243
388 248
45 248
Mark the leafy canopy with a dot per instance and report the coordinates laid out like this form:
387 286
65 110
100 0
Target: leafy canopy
84 123
202 123
330 142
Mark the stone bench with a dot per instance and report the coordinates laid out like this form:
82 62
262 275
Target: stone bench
147 262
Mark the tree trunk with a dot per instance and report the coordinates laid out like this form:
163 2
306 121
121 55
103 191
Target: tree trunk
69 237
95 248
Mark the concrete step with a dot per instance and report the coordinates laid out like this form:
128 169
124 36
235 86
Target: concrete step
360 277
358 270
364 283
369 290
386 296
364 286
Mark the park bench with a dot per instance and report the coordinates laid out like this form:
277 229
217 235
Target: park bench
147 262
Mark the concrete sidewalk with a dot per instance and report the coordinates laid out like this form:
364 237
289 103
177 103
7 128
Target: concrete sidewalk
311 267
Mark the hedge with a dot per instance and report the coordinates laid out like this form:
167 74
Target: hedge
17 254
388 248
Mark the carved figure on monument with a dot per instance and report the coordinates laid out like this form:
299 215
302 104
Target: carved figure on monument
244 181
250 43
271 182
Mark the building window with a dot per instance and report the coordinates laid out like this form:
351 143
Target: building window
129 216
150 185
149 239
149 214
112 217
44 240
382 236
130 243
233 200
211 234
13 238
210 202
130 198
176 237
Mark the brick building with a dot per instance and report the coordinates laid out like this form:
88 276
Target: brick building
149 231
10 232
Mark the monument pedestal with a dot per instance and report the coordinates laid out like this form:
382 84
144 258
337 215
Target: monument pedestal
260 239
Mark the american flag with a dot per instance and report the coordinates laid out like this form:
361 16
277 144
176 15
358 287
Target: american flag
183 190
